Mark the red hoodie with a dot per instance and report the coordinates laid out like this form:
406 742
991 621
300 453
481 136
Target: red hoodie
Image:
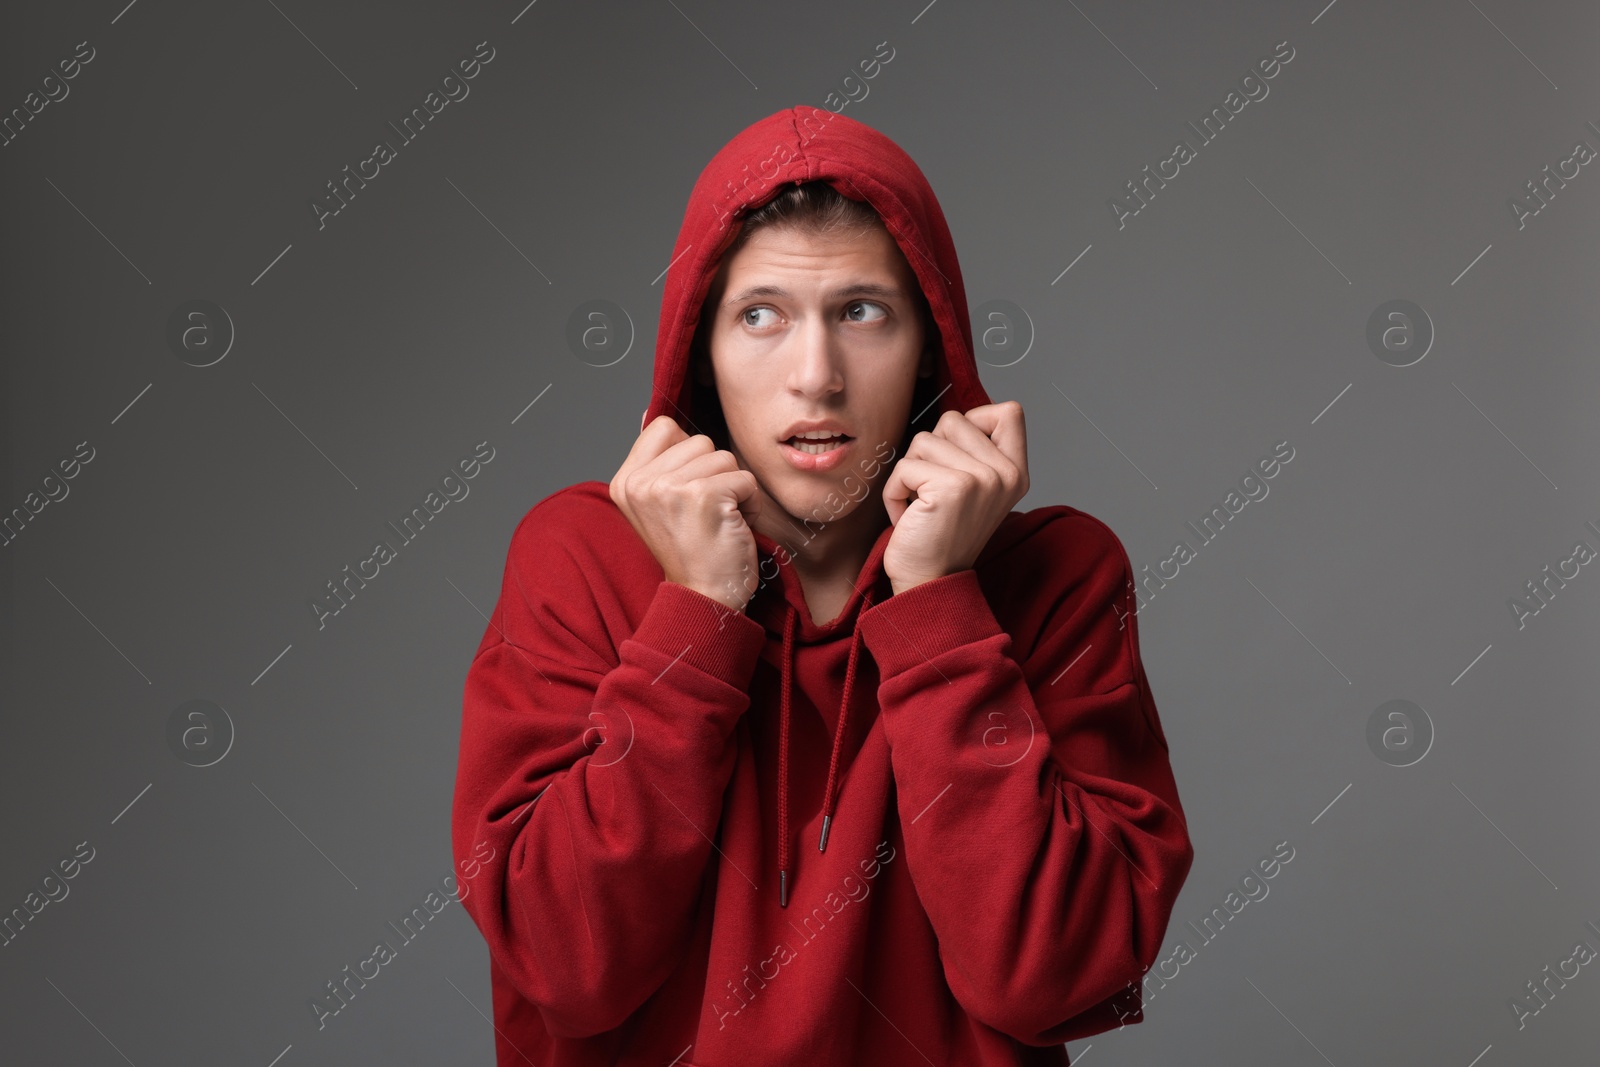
966 783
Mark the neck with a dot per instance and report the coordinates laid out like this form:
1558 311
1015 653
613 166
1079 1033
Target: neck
823 551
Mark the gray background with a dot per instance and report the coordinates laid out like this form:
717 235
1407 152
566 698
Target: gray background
1229 315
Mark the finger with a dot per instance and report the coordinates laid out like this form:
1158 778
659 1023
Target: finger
911 477
704 466
654 439
686 450
978 457
971 437
745 489
1006 428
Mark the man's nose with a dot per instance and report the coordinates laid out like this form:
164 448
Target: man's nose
817 366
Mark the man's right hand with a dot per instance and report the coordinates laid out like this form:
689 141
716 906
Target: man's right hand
689 503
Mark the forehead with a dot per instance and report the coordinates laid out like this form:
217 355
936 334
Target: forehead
858 254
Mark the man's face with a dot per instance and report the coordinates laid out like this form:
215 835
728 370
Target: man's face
811 329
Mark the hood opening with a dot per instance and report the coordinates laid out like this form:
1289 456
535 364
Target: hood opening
788 147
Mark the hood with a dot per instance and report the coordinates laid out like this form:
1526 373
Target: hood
801 144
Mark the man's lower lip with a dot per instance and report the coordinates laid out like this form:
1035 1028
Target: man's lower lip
816 461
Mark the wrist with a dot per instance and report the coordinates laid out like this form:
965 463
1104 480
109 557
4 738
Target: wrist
726 597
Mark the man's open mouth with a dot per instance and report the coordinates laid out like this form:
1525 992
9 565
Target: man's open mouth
818 445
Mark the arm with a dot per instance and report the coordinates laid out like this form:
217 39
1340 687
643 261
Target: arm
1040 790
596 775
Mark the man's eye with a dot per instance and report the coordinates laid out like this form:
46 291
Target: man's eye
745 315
865 304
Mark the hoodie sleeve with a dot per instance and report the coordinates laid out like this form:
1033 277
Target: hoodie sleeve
594 774
1039 785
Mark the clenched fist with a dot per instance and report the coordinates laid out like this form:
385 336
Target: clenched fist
688 501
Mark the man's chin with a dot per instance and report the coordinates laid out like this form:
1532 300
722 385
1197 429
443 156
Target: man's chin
809 502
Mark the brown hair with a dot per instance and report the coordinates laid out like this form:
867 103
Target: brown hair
815 209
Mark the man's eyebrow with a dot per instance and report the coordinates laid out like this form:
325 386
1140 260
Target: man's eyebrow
853 289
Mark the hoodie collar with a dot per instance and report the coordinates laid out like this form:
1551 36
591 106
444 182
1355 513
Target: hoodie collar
800 144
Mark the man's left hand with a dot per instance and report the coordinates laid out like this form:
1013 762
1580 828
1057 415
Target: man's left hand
965 475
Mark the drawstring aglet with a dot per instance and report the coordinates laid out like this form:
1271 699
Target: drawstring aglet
822 845
783 889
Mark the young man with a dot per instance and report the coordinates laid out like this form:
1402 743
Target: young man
754 641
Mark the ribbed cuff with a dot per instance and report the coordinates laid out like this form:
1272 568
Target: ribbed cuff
692 628
913 627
